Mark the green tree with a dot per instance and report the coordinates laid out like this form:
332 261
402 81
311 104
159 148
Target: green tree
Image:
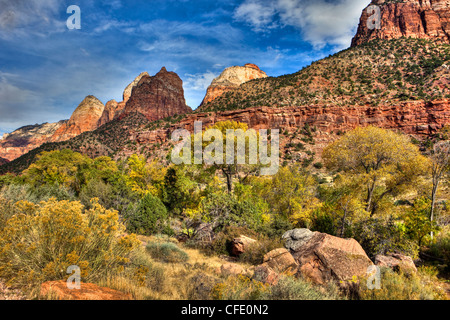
148 216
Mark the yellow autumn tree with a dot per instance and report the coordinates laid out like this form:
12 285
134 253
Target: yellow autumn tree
239 167
145 178
383 161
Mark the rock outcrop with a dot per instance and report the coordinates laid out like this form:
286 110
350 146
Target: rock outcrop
426 19
27 138
88 291
323 257
157 97
114 109
230 79
84 118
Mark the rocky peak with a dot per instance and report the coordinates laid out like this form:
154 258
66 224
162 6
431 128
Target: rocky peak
157 97
129 88
84 118
425 19
232 78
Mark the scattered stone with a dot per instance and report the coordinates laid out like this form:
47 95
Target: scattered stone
265 274
88 291
280 260
239 245
232 269
396 262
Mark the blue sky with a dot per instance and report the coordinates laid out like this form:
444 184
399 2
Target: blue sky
46 69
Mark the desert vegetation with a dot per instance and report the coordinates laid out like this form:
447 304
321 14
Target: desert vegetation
157 231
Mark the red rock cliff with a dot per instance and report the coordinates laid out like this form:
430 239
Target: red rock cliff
157 97
426 19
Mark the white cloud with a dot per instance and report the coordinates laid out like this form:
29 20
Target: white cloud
200 81
321 22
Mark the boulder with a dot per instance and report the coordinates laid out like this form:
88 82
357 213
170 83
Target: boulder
231 269
296 238
280 260
396 262
265 274
239 245
88 291
322 257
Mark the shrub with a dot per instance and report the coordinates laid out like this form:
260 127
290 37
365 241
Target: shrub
381 236
41 241
149 216
402 286
441 248
239 288
166 252
26 192
291 288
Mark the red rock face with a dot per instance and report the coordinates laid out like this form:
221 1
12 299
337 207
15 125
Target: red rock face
230 79
157 97
84 118
110 110
417 118
27 138
426 19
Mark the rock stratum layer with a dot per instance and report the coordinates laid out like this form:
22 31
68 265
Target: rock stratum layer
84 118
416 118
24 139
157 97
230 79
425 19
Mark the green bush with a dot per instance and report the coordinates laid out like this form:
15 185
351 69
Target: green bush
441 248
149 216
401 286
26 192
383 235
166 252
291 288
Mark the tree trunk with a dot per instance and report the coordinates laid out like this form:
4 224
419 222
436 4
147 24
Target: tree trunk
229 179
433 202
370 195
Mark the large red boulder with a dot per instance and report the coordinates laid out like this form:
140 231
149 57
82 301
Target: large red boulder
323 257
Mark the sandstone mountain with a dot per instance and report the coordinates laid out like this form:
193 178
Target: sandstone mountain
230 79
425 19
114 109
84 118
157 97
24 139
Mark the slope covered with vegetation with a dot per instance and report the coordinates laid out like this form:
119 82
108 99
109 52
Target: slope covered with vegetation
380 72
